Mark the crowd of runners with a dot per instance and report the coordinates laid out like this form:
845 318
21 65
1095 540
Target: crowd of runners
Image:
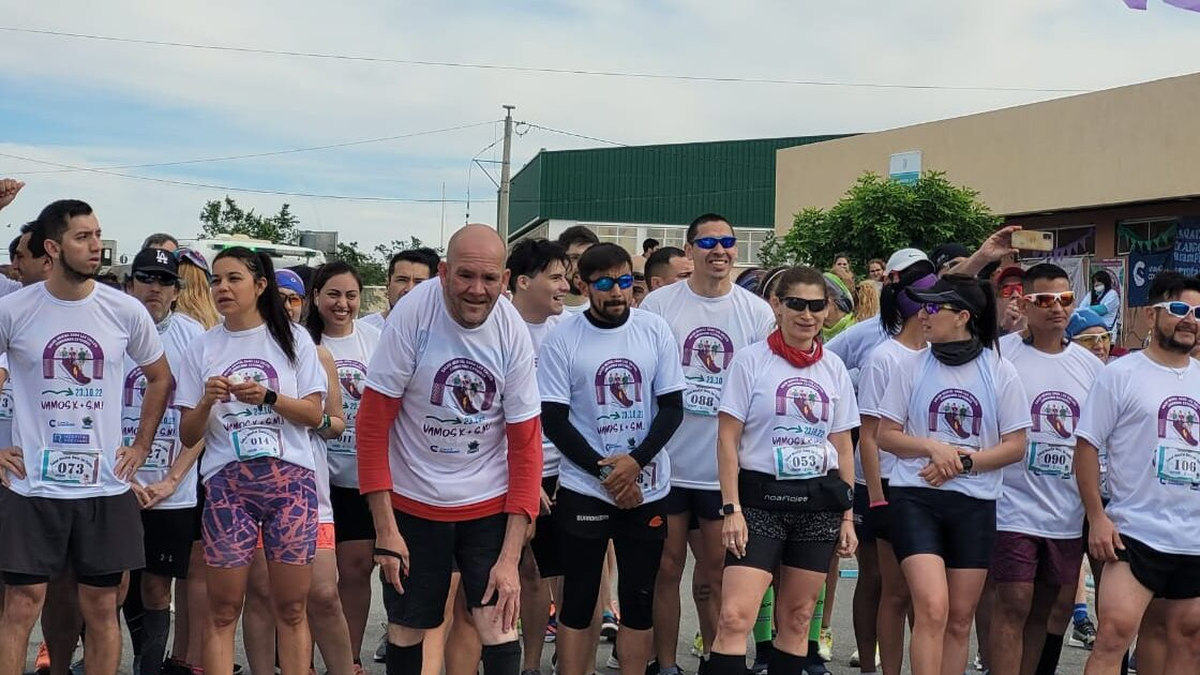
525 446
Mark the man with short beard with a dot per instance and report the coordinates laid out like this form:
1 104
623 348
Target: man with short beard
576 239
1143 411
67 495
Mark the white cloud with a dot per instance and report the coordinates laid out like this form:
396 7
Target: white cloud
280 102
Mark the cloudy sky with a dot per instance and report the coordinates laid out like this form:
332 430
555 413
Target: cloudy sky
98 104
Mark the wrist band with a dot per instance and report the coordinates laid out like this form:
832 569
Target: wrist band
881 502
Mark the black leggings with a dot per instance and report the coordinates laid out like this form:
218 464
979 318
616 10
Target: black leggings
583 563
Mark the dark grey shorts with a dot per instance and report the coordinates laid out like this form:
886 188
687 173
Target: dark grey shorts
97 536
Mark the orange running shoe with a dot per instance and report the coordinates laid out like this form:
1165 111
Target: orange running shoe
41 665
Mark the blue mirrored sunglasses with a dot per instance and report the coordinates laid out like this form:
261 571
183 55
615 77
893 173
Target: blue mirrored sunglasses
711 242
605 284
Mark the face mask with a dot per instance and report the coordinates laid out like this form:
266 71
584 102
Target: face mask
1099 288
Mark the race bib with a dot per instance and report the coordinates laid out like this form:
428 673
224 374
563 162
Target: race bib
162 455
648 479
256 442
6 406
797 462
1178 466
72 468
1048 459
344 444
701 400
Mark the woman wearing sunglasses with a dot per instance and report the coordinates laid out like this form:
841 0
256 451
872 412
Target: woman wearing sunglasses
291 292
1087 329
785 461
953 417
251 388
901 320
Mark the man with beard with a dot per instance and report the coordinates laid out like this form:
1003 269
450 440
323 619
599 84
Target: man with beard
67 497
611 399
576 239
1143 411
450 453
169 476
710 318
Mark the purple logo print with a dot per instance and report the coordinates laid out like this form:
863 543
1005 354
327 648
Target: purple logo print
709 347
471 386
351 375
802 397
254 370
958 411
75 356
1057 410
1178 416
620 379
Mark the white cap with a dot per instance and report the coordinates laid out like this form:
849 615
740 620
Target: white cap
905 258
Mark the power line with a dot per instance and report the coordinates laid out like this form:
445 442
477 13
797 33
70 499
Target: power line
255 155
540 69
230 188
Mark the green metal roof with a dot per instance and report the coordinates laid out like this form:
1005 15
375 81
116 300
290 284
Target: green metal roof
660 184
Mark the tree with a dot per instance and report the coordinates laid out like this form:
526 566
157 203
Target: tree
373 267
221 219
878 216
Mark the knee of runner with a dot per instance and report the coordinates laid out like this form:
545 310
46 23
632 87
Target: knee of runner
22 604
736 618
290 612
324 598
224 615
934 612
959 626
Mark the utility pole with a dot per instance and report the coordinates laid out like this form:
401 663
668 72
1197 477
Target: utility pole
505 170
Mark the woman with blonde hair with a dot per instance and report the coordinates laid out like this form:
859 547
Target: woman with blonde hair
195 298
866 300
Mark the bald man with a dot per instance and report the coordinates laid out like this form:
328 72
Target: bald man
450 453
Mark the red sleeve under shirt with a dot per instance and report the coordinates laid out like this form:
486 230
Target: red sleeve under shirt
378 412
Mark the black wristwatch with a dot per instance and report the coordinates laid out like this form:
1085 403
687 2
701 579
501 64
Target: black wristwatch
270 398
967 463
730 509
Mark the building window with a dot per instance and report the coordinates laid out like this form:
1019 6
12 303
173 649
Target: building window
667 236
750 241
624 235
1143 230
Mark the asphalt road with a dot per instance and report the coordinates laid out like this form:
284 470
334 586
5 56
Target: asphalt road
1072 658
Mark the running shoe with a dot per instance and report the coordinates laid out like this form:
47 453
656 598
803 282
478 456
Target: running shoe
608 627
825 644
551 630
978 663
759 667
381 650
1083 634
698 645
41 666
531 672
815 667
612 662
77 668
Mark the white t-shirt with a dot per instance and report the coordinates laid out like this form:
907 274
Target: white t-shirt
1041 497
878 369
321 474
9 286
459 388
969 406
6 405
67 362
856 343
577 309
177 333
788 412
708 333
238 431
611 378
1148 419
375 321
351 354
537 335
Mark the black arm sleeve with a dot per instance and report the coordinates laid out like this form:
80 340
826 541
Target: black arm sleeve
668 419
568 440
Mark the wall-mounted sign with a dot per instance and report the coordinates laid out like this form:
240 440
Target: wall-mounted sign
905 167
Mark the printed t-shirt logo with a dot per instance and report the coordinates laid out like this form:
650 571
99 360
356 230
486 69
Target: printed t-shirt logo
708 347
73 356
1177 457
1055 412
254 370
619 380
471 386
803 398
134 389
351 375
957 411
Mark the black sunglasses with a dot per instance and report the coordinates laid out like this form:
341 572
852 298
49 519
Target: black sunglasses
152 278
800 304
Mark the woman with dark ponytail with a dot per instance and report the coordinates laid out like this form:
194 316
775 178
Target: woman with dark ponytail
251 388
953 416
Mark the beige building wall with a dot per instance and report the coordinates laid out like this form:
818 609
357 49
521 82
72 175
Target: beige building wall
1131 144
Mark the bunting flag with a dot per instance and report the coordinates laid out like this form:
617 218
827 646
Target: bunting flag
1193 5
1143 245
1074 248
